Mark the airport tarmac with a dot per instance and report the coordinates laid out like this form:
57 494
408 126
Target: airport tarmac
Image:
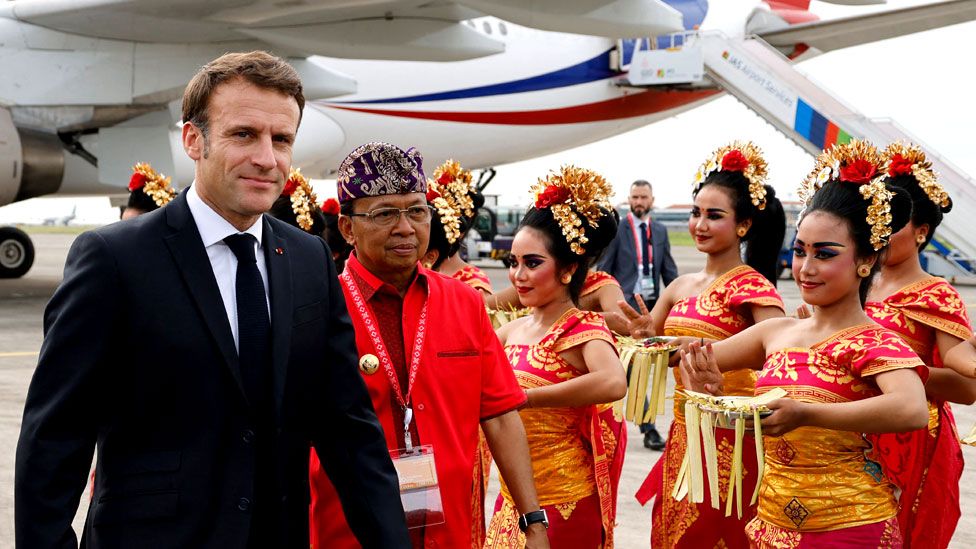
21 308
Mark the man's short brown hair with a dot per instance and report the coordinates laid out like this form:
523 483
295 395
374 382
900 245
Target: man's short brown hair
257 67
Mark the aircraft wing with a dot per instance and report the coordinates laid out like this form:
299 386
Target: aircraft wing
420 30
852 31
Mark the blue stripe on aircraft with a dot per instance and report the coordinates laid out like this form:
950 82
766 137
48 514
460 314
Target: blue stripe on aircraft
591 70
804 114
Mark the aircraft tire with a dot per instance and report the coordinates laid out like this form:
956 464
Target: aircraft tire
16 252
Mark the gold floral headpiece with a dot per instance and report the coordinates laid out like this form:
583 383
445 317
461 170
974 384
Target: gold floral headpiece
152 183
450 194
739 156
303 200
856 162
579 187
908 159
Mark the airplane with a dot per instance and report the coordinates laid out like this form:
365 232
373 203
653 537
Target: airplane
483 81
62 221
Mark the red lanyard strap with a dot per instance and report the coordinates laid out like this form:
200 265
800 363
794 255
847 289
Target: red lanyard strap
637 240
366 315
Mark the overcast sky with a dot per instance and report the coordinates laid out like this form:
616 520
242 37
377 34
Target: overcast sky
925 82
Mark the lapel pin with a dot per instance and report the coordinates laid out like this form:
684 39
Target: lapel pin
280 251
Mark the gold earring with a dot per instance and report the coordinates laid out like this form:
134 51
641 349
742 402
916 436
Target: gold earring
920 238
863 270
566 278
741 231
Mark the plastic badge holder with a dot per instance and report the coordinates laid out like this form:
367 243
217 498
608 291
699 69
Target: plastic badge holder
419 490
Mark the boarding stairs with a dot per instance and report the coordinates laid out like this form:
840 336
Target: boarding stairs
770 84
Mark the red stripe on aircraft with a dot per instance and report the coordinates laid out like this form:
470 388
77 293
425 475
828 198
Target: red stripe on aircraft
627 106
830 136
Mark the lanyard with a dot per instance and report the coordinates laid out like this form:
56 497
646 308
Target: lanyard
374 335
637 241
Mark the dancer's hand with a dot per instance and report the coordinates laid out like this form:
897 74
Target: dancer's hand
788 414
698 369
804 311
640 323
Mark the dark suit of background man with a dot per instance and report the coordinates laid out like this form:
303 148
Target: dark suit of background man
201 347
640 258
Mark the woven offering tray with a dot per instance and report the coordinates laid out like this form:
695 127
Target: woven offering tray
699 466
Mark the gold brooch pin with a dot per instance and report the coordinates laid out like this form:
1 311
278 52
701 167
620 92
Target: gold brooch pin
369 364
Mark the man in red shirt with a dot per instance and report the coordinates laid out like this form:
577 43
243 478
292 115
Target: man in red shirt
430 359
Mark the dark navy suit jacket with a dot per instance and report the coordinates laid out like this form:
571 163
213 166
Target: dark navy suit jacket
620 258
139 361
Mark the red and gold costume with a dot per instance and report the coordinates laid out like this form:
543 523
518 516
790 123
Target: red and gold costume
462 380
570 455
614 426
474 277
925 464
822 481
718 312
477 279
596 280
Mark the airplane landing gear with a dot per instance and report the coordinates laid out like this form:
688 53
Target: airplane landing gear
16 252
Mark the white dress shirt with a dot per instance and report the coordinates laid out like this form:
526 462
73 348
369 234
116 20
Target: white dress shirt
640 267
213 230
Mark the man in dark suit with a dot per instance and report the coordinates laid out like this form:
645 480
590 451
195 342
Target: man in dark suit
202 347
640 259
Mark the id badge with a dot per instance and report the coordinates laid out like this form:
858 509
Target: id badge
648 291
419 490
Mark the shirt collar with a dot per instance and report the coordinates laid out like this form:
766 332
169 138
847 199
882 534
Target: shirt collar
371 284
212 227
646 218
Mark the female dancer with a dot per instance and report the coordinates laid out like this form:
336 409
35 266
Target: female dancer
298 205
930 316
601 293
456 203
844 374
732 205
565 360
339 247
148 191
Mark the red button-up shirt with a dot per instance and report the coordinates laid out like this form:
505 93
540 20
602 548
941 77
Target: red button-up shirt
464 378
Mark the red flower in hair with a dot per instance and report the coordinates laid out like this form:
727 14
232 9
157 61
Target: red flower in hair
432 194
734 161
445 178
330 206
290 187
899 166
858 171
552 195
137 181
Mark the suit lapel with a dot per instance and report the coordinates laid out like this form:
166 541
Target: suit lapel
279 282
194 265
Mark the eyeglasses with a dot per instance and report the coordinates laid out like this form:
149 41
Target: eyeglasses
387 217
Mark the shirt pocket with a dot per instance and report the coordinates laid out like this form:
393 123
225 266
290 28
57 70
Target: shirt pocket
458 373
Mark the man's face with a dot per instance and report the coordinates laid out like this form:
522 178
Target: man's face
243 163
393 250
641 200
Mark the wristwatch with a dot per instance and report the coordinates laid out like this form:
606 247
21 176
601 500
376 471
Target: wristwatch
531 518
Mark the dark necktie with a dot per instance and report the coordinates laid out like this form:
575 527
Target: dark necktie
646 260
253 325
254 353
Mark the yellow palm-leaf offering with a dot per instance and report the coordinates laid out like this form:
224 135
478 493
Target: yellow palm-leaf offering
500 317
646 364
703 414
970 439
